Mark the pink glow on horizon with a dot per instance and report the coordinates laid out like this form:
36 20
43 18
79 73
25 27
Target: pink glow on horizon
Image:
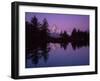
64 22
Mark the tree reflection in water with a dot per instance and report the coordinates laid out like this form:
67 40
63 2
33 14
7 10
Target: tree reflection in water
41 50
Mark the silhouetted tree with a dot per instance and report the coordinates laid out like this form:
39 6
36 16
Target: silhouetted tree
79 38
44 30
61 33
65 34
73 35
45 25
34 21
65 37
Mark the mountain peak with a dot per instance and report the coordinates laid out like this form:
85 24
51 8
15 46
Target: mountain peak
55 29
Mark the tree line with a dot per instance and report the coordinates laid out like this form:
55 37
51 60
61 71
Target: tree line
38 32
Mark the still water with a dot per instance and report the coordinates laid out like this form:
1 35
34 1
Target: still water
54 54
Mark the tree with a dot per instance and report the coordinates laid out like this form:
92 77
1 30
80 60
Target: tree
34 23
74 35
45 25
65 37
65 34
74 31
44 30
61 33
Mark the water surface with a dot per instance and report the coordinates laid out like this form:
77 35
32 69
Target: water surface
55 54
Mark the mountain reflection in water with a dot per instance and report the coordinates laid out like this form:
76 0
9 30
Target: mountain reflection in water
57 54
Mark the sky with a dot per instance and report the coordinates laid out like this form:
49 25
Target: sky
63 22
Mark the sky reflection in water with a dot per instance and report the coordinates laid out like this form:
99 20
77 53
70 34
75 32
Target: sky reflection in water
58 56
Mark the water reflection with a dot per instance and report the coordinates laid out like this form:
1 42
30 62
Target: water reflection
39 53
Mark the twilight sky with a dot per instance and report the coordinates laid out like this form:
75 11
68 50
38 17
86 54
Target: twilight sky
62 21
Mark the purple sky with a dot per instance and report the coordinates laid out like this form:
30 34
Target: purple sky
62 21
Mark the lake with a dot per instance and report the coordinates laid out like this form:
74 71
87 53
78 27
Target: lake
55 54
